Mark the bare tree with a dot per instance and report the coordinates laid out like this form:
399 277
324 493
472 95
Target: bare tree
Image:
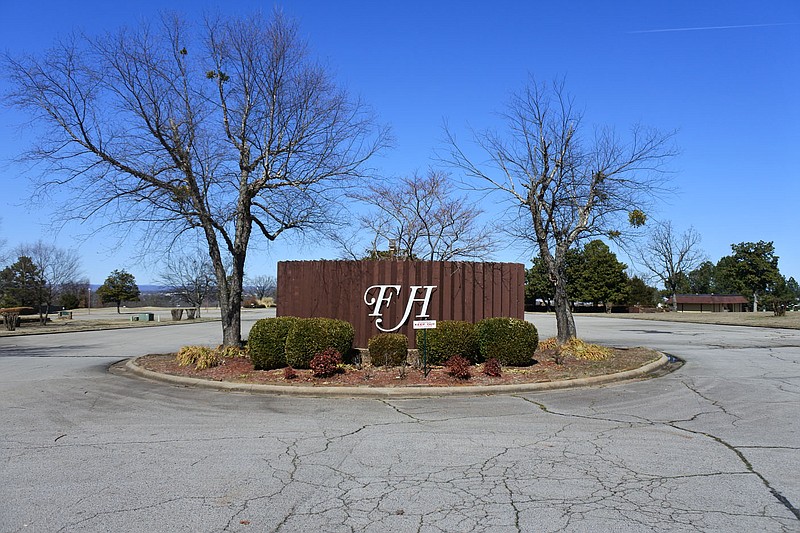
568 186
670 257
58 267
215 130
4 254
190 277
423 218
262 286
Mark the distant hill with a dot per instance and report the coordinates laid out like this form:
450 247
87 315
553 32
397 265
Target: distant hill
152 288
142 288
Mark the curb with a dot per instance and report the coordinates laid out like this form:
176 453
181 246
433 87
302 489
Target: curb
396 392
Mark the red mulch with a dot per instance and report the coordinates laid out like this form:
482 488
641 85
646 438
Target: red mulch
240 370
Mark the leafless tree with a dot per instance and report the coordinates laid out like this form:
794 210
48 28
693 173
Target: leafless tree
670 257
262 286
567 185
3 252
190 277
423 218
58 268
214 130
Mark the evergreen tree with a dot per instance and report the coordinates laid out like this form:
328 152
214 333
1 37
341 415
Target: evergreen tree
600 277
751 271
120 286
640 293
593 275
701 279
21 284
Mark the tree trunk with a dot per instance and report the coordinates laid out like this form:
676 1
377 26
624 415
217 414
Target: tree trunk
231 311
674 301
118 304
565 323
755 301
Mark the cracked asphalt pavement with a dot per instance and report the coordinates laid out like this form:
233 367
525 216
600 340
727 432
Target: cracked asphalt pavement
713 446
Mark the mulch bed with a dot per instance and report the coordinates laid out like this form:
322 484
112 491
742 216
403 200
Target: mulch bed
240 370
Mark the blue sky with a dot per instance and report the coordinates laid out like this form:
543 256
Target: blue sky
725 75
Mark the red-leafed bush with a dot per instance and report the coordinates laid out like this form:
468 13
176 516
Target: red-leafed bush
458 367
492 368
289 373
326 363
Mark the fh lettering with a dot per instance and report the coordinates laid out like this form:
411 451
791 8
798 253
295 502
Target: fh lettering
380 296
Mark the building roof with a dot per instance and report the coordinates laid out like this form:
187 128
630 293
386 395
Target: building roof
710 299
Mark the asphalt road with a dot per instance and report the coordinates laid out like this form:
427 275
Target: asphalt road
714 446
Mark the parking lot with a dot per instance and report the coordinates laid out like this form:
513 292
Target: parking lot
711 447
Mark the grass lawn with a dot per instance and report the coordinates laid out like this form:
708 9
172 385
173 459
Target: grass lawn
764 320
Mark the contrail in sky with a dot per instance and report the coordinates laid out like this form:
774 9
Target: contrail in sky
717 27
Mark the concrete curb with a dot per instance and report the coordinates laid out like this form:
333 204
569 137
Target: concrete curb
396 392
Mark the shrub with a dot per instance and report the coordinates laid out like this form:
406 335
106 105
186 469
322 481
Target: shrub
509 340
582 350
201 357
289 373
231 352
492 368
326 363
451 337
550 348
388 349
207 359
267 342
310 336
573 348
458 367
188 355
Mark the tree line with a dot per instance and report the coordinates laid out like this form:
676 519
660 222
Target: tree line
595 276
43 276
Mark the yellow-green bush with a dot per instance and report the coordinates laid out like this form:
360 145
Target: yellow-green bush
388 349
573 348
509 340
231 352
582 350
451 337
201 357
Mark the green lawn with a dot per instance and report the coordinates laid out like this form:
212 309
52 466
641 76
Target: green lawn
764 320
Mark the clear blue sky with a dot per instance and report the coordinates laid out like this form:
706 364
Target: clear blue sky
726 75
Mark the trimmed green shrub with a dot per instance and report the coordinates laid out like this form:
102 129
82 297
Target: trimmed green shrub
451 337
388 349
310 336
509 340
267 342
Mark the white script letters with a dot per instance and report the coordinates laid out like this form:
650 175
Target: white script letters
384 298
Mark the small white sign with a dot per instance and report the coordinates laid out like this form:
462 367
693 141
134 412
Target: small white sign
424 324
